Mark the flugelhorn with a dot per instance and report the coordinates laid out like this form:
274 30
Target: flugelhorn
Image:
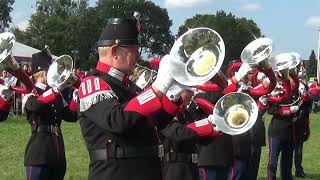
8 62
281 64
235 113
197 56
294 69
60 72
256 54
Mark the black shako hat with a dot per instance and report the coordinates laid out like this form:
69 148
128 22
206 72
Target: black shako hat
40 61
120 31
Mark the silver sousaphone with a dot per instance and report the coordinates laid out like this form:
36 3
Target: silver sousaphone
197 56
60 72
235 113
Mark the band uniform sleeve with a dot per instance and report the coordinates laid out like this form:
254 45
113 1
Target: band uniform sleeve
5 105
201 127
177 131
32 102
100 104
232 86
69 112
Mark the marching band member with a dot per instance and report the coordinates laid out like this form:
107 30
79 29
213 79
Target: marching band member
247 146
215 154
6 101
119 122
180 145
315 94
181 136
241 143
45 108
281 135
302 129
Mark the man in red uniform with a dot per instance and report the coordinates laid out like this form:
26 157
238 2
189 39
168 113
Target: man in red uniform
120 123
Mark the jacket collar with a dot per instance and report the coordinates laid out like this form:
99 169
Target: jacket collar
112 72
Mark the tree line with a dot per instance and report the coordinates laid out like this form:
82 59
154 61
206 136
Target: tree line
68 26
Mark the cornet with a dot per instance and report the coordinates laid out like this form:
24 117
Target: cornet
8 62
60 73
281 64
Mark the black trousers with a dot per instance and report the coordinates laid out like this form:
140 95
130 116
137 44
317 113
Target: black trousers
277 146
181 170
298 151
45 172
213 173
3 115
254 162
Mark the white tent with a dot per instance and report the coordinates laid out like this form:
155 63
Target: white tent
22 52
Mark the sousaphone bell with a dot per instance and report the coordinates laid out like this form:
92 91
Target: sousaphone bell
60 73
235 113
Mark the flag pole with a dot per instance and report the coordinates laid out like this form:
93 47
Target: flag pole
318 55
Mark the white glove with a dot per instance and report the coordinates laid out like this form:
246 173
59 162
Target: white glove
164 79
242 72
263 100
294 109
175 91
212 121
5 92
244 87
75 95
141 82
12 81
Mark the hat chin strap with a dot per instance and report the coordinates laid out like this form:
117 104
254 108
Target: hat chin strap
120 42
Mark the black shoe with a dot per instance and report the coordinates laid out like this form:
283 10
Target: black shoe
301 175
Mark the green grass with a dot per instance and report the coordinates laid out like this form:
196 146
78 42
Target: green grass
15 133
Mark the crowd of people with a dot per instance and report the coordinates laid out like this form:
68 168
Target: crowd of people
156 128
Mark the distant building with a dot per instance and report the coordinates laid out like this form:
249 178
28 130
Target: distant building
23 53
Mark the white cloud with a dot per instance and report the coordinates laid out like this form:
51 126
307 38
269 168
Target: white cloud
251 7
22 25
313 21
183 3
20 19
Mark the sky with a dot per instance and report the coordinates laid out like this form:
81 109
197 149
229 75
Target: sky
293 25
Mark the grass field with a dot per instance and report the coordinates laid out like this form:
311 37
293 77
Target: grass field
15 133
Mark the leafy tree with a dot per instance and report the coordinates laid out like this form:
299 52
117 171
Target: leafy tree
155 22
67 25
5 9
64 25
235 32
311 65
